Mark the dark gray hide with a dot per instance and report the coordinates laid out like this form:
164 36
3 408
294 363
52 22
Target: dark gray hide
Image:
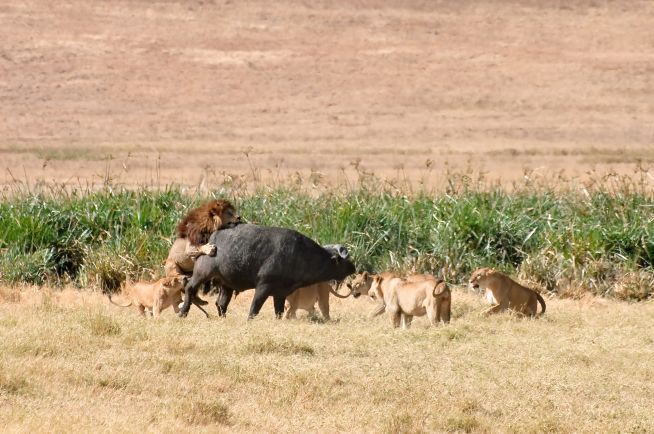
273 261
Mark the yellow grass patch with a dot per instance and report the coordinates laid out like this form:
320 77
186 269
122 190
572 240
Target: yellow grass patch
71 362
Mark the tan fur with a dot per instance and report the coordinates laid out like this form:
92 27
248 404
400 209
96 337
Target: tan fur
416 295
363 281
504 293
182 255
154 296
305 298
194 231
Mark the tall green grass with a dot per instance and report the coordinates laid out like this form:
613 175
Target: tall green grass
570 241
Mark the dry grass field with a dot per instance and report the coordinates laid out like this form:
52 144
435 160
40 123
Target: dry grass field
71 362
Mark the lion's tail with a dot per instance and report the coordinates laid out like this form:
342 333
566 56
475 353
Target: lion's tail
542 303
125 285
439 287
121 305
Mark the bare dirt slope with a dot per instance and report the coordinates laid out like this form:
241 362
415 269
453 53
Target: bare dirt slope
177 91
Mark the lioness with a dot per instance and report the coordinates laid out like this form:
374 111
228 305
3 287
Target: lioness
305 298
362 283
505 293
403 299
155 296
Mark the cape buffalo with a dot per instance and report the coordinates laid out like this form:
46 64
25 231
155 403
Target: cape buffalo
274 261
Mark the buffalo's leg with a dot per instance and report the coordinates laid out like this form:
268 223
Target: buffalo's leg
191 289
224 297
260 296
279 301
189 296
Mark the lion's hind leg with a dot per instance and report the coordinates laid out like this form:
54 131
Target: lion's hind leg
396 316
406 321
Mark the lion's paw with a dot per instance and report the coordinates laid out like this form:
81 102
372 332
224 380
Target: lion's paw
209 249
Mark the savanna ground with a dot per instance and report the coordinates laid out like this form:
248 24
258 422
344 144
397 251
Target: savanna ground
72 362
322 94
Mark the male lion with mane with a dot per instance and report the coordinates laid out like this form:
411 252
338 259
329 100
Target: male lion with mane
505 293
193 233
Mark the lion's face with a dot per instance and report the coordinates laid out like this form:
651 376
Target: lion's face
222 214
481 277
361 284
173 282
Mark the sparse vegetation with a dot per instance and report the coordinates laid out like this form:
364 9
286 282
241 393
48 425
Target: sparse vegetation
569 240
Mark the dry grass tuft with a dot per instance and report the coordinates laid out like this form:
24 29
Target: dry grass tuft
9 295
269 345
204 413
99 323
10 384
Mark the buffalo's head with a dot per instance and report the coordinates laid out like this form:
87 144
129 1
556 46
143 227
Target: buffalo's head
341 261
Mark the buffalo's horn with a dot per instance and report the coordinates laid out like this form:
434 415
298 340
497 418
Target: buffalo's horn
337 250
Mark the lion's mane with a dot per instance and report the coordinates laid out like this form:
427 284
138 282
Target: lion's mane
198 225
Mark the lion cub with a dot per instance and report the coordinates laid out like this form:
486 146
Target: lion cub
505 293
415 296
154 297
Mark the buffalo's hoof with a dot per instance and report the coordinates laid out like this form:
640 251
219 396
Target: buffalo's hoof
182 314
